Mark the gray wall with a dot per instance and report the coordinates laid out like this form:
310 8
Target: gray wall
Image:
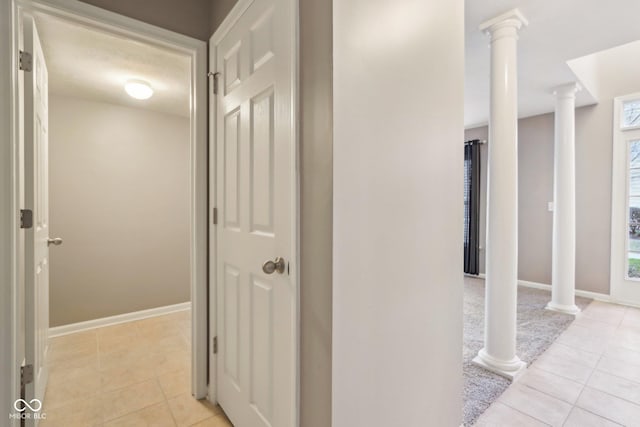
593 189
195 18
219 10
119 197
316 219
535 190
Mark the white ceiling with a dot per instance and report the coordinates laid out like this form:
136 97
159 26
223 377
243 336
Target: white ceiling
95 65
558 31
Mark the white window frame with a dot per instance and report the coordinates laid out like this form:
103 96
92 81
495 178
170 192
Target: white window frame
620 281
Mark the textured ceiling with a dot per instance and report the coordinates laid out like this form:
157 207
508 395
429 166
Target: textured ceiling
558 31
95 65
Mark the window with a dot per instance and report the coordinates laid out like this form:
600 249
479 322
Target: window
625 200
633 241
631 114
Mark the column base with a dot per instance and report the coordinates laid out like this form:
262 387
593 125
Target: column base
510 369
561 308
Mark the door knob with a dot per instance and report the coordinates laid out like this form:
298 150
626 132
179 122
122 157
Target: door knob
276 265
55 242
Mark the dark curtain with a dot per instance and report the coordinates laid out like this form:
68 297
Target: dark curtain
471 206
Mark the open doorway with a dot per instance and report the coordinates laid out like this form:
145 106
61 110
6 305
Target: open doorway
119 294
120 185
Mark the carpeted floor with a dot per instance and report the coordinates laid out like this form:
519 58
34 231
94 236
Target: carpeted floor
537 329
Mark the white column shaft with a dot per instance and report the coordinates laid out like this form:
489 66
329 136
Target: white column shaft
499 352
502 202
564 209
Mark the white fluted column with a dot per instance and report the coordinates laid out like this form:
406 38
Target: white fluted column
563 279
499 352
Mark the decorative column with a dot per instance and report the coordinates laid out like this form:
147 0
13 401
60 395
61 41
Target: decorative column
499 352
563 281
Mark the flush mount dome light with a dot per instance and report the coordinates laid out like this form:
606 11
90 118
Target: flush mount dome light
138 89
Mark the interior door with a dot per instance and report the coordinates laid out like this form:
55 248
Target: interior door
36 199
255 195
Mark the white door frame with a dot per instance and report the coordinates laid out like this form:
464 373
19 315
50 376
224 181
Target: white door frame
94 17
226 25
620 206
9 228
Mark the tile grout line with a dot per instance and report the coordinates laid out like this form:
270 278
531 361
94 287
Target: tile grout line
602 391
564 376
587 410
618 376
101 393
166 399
518 410
556 397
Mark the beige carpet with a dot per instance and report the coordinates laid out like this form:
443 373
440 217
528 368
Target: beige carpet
537 329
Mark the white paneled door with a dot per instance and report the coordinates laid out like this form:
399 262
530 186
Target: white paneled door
36 143
255 197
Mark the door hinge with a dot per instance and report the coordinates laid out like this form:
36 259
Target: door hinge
215 345
25 61
26 375
26 218
215 216
215 76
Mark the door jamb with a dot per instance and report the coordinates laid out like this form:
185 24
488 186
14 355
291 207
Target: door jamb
9 202
232 17
100 19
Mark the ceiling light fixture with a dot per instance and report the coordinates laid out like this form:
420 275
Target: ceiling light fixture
138 89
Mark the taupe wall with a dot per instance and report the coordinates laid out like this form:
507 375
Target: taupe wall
119 197
195 18
219 10
189 17
316 211
593 187
535 190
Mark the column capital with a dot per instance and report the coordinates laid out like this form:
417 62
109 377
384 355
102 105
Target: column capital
567 90
510 21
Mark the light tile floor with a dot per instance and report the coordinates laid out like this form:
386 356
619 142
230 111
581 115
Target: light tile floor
133 374
590 376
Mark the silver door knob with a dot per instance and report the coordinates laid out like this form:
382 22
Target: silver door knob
276 265
55 242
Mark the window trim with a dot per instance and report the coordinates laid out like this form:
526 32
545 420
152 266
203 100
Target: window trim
622 288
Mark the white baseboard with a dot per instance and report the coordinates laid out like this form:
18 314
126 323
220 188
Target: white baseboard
114 320
545 287
585 294
475 276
